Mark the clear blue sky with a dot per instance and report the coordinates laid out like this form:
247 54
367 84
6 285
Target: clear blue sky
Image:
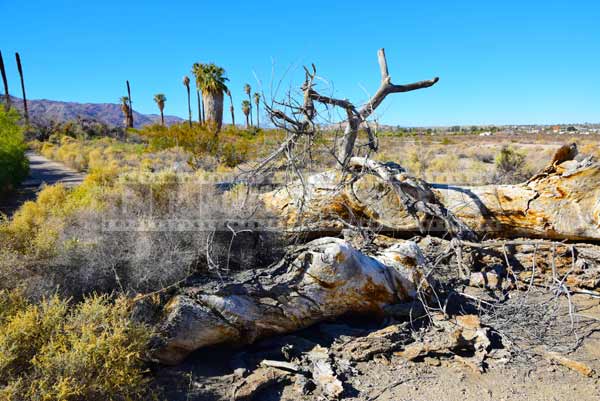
498 62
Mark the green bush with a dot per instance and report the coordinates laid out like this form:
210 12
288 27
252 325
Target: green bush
57 351
511 166
14 166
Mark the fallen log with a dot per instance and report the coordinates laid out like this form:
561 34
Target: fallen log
562 205
321 280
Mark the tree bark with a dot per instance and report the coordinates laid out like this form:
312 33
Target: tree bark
199 107
130 117
321 280
562 205
250 100
5 83
20 68
189 105
213 108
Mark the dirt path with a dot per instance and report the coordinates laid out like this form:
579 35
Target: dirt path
41 171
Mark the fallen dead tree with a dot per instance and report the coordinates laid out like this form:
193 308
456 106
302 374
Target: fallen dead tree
562 205
324 279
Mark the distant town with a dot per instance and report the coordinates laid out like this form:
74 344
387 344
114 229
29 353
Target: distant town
489 130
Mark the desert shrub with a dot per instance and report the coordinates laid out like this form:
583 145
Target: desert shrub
14 166
78 241
57 351
231 146
442 168
484 157
510 166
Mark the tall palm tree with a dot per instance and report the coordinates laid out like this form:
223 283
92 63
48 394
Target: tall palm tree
22 86
197 68
212 83
130 106
160 100
246 110
186 83
5 82
125 110
257 102
231 107
248 89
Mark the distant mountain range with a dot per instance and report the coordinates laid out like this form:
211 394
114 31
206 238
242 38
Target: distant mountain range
109 113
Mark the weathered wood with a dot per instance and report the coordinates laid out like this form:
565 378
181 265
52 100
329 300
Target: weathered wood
562 205
325 279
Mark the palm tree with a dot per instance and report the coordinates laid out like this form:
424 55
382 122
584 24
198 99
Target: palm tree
212 83
246 107
125 110
160 100
186 83
5 82
22 86
231 107
248 89
257 102
130 120
197 68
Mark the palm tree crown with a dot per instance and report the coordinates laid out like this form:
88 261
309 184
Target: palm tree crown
160 100
247 89
210 78
246 110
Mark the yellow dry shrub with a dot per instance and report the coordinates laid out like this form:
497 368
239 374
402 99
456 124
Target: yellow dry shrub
443 167
35 226
57 351
48 150
590 148
96 159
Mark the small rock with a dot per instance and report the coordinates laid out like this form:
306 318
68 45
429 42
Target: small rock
432 361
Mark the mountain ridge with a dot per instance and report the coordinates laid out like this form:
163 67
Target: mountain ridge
46 110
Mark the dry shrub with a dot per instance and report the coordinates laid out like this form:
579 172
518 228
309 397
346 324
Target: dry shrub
136 233
57 351
510 166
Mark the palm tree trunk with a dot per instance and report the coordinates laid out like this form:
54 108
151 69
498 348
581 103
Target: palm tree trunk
189 106
257 118
162 118
247 122
231 109
20 68
5 82
199 107
130 122
213 107
250 100
203 108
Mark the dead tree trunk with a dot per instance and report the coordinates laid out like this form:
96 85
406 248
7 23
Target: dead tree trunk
322 280
562 205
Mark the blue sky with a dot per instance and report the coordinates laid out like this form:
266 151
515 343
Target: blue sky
498 62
